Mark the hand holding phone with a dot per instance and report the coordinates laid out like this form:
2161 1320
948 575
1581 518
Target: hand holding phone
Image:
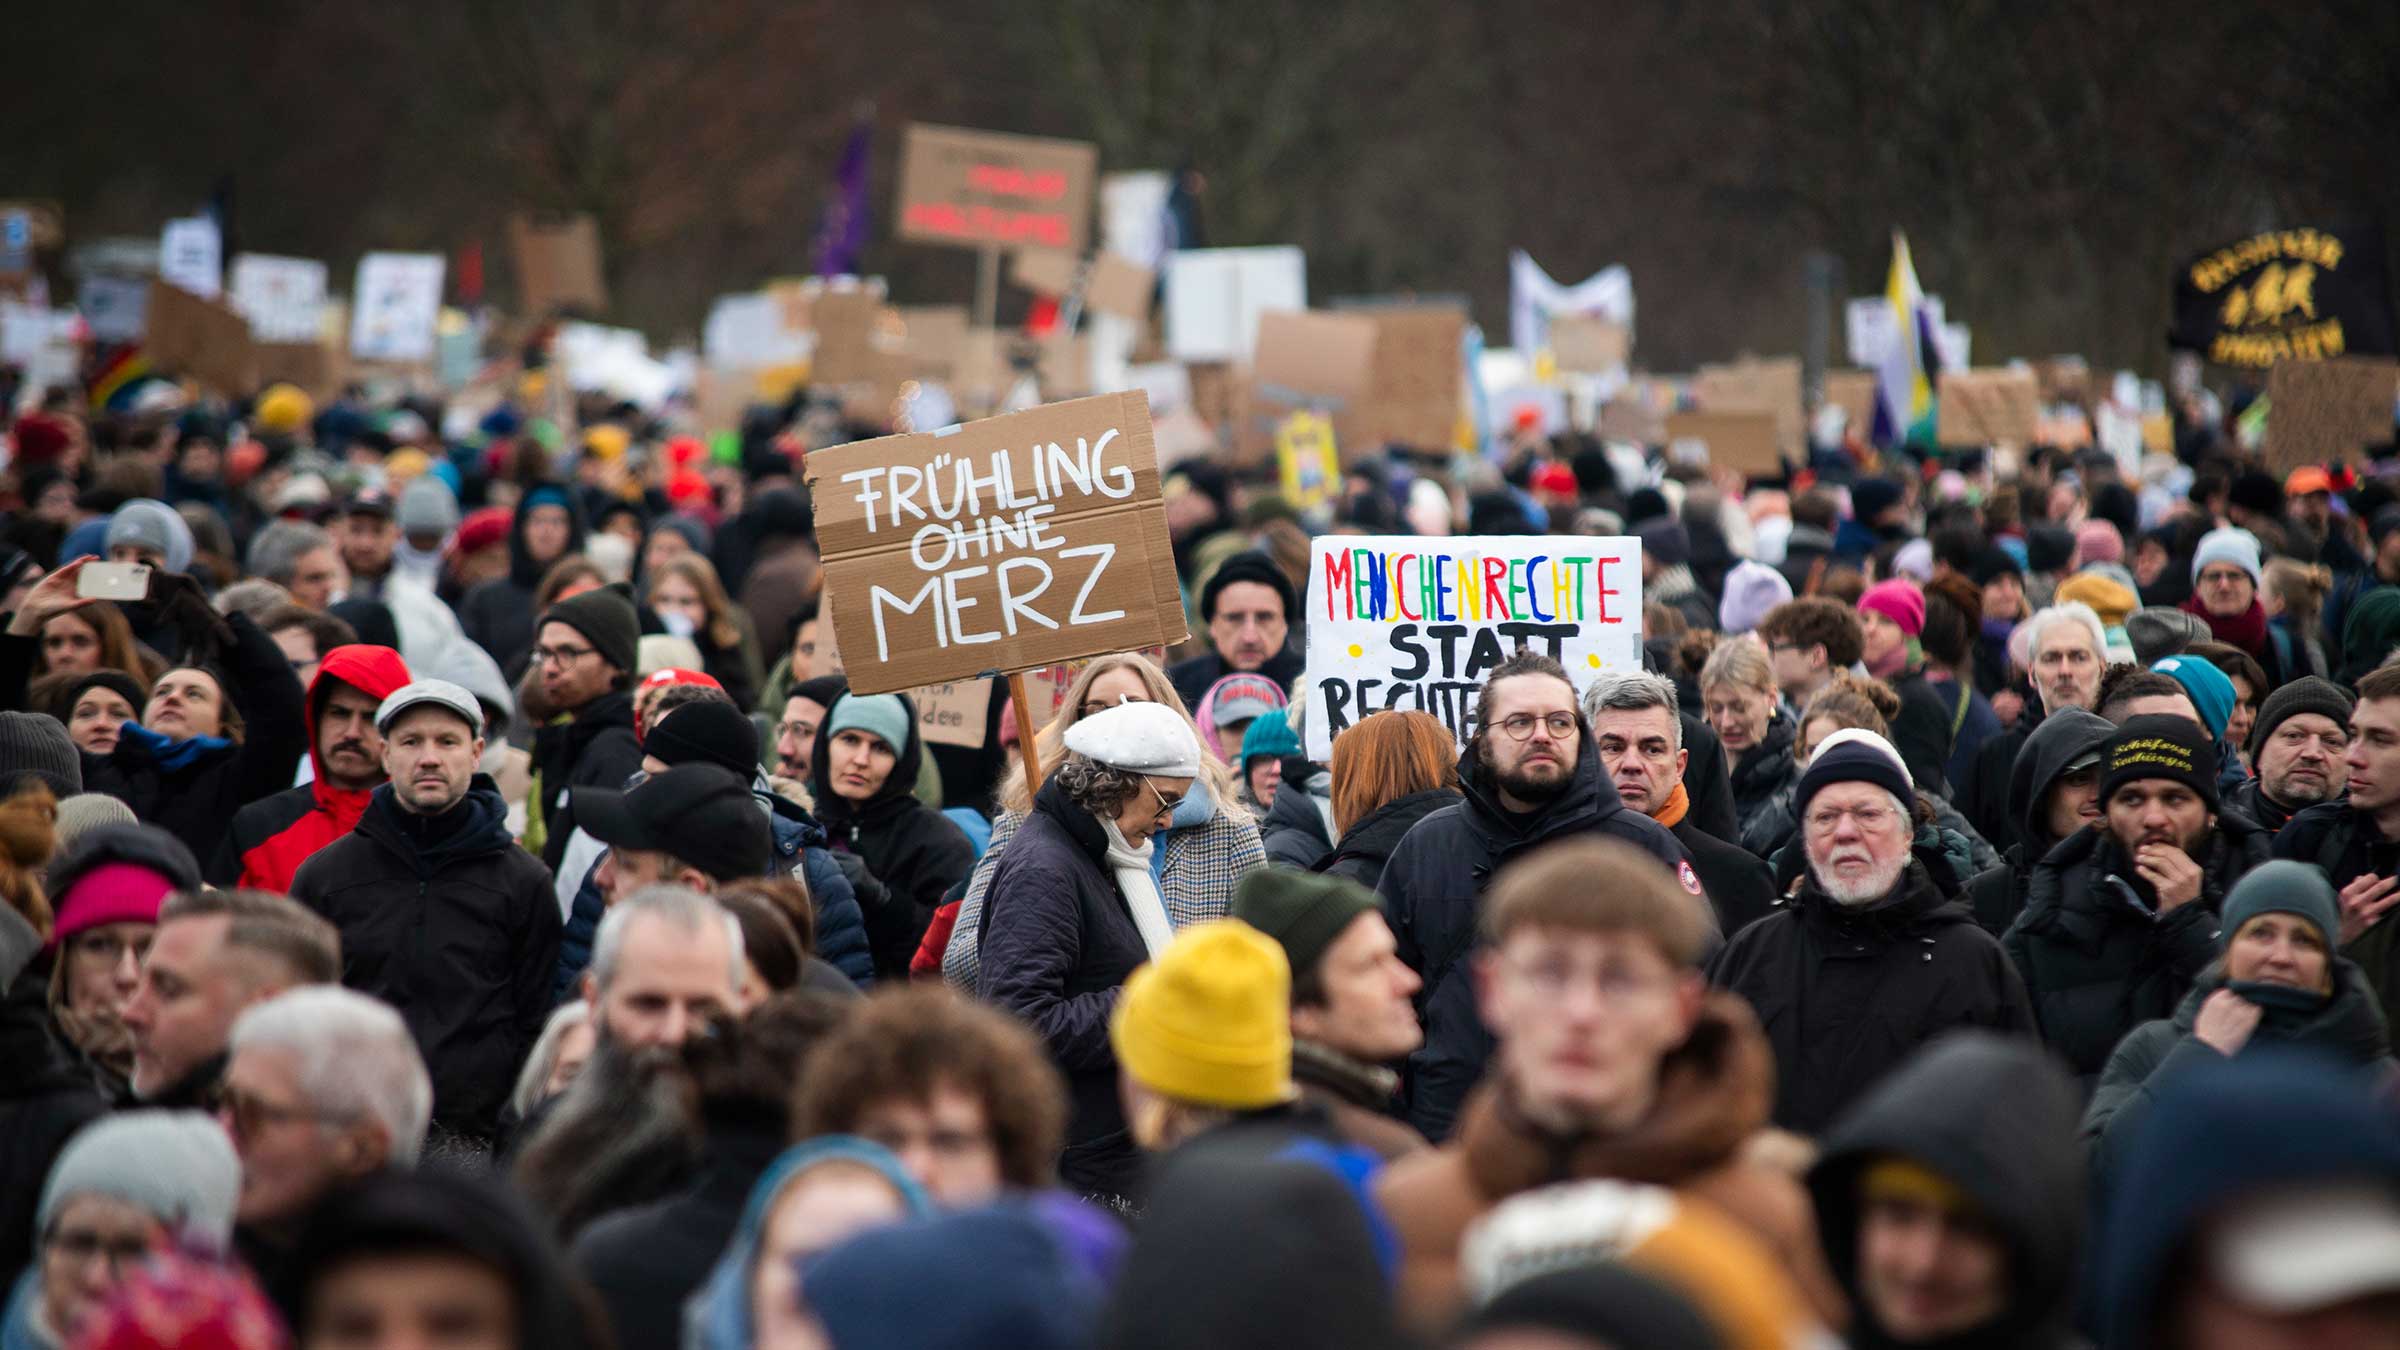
113 581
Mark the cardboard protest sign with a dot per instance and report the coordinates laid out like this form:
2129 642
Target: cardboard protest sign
1588 344
1022 540
2323 411
2286 295
935 338
191 256
284 298
1046 686
205 339
1744 442
954 712
1065 366
987 189
1987 407
1416 623
845 324
825 655
1853 391
1043 271
1307 461
1308 362
1215 298
1755 386
316 368
396 307
1416 380
558 264
1625 418
1120 286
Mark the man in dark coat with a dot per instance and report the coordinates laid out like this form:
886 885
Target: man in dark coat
2054 792
1951 1203
1633 718
1248 605
2298 745
441 914
585 655
2122 917
2068 651
2357 841
1870 960
1530 774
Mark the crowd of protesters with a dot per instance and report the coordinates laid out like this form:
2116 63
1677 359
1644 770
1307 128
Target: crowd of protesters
457 900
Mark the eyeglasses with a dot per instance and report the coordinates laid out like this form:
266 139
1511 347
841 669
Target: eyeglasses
1519 726
560 656
1870 819
1166 806
248 1115
77 1249
1555 977
798 731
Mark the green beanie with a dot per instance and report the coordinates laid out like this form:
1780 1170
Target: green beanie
2283 886
1301 910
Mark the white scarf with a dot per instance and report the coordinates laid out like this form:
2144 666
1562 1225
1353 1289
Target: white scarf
1140 889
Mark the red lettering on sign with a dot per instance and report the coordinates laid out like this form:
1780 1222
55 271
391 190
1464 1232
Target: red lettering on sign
990 224
1008 181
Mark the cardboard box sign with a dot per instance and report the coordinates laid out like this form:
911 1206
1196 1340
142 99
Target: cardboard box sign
1022 540
315 367
988 189
1043 271
558 264
1741 441
206 339
1587 344
1417 624
1119 286
1988 407
1755 386
1626 418
954 712
845 323
935 337
1853 391
2318 412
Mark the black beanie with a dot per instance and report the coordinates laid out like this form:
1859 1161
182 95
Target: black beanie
1252 566
2308 694
823 691
706 732
1853 761
35 746
2161 745
2048 548
607 621
113 680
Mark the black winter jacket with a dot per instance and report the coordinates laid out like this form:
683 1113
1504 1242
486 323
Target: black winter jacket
1369 842
915 851
2097 958
2344 841
1294 830
2251 799
1764 776
45 1096
2347 1027
596 748
1994 1118
196 802
1192 677
1844 994
1983 798
1057 944
1740 885
1921 731
645 1261
1997 894
498 614
447 920
1432 888
1707 782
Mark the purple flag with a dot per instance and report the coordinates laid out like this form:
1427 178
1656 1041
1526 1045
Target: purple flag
842 231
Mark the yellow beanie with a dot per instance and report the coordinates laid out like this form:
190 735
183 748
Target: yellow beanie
1208 1022
283 410
405 464
2108 598
606 441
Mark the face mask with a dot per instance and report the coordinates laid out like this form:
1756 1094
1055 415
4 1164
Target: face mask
678 623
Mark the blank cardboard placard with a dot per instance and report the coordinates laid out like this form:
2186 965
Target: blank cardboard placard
1988 407
1065 367
1588 344
1308 361
954 712
1771 386
1416 381
1741 441
316 368
208 340
558 264
1632 419
1043 271
1120 286
990 189
1215 298
845 324
935 338
1853 391
1022 540
2318 412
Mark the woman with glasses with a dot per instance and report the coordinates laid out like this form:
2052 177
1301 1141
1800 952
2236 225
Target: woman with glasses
1074 907
1202 854
127 1186
106 890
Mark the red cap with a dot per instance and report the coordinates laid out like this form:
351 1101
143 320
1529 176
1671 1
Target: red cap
1556 479
481 530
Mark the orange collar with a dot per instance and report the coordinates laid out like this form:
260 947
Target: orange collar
1671 814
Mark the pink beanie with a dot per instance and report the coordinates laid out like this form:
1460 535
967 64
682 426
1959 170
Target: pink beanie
1898 600
117 892
2098 541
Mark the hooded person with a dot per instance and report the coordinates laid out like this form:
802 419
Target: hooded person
438 1248
2053 792
2121 917
1267 746
1971 1139
2277 983
272 836
498 614
813 1196
2256 1205
863 779
1009 1278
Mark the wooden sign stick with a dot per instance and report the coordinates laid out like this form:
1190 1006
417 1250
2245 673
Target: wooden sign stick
1025 745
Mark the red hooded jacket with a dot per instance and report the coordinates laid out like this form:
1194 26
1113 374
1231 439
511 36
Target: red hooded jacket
272 836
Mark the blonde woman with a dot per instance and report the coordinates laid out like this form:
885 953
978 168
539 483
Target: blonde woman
1202 854
1742 704
691 603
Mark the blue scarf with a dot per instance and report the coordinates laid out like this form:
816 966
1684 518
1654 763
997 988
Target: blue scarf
168 753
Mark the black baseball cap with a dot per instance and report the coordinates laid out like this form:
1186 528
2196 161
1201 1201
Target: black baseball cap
698 812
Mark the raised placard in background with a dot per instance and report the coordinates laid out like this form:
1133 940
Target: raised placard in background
558 265
2320 412
1751 385
1988 407
1215 296
954 712
1744 442
397 306
1588 344
1022 540
990 189
283 298
203 338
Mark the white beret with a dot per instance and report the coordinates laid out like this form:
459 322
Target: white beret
1147 738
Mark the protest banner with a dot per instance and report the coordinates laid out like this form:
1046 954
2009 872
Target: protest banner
283 298
988 189
316 368
1589 344
1215 298
203 338
1975 408
1022 540
396 306
558 265
1308 361
1417 623
1306 460
1415 380
1751 385
1043 271
1853 391
2322 412
935 338
845 323
191 256
1120 286
2286 295
1626 418
953 712
1744 442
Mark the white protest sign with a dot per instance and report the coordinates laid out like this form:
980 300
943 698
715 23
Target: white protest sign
396 307
283 298
116 307
1215 295
191 254
1417 623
